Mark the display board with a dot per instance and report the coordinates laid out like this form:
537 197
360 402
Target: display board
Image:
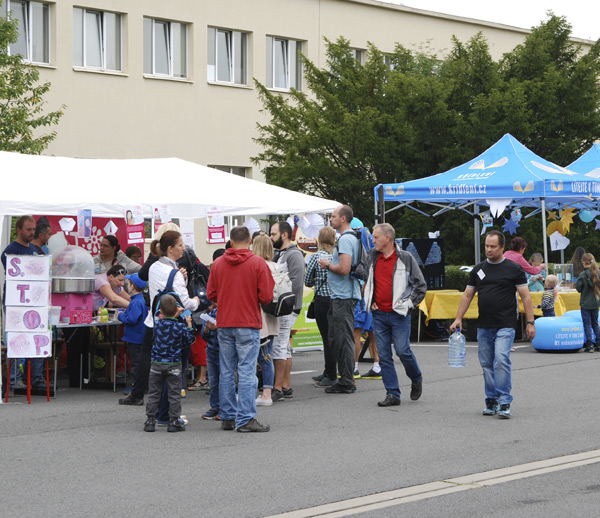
429 254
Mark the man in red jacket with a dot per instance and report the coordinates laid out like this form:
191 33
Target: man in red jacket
239 281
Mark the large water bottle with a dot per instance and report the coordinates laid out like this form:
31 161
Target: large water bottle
457 351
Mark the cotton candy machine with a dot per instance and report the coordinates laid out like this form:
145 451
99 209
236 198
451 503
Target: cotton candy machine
73 280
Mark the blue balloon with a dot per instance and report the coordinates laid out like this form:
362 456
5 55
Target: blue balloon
586 216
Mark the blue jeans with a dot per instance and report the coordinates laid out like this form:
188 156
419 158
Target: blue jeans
266 363
212 373
392 326
494 358
37 371
238 348
590 323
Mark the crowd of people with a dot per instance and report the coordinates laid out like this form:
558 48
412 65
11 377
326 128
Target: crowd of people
165 320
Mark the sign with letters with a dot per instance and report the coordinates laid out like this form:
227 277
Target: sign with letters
28 290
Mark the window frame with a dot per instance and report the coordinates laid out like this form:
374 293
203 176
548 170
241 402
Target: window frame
103 53
170 48
292 63
6 8
230 169
235 60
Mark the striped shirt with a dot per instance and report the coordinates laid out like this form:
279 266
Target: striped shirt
317 276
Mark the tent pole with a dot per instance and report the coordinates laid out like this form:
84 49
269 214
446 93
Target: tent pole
477 231
543 209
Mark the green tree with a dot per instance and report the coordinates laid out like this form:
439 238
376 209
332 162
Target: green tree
22 116
361 125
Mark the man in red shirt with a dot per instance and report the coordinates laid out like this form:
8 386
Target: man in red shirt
394 287
239 281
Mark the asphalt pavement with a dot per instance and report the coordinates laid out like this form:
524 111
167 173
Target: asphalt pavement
83 455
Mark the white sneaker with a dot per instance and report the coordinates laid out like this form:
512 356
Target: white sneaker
263 402
183 393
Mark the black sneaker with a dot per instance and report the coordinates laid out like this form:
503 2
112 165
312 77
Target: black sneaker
176 425
371 375
491 407
277 395
228 424
130 400
389 401
416 389
253 426
589 349
318 378
150 425
288 393
336 388
325 382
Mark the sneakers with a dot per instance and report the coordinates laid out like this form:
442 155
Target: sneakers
228 424
416 389
288 393
150 425
389 401
336 388
263 402
491 407
318 378
371 375
325 382
183 393
176 425
18 385
277 395
211 413
356 374
130 400
185 420
589 349
253 426
504 412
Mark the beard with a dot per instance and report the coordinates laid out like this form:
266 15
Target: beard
278 244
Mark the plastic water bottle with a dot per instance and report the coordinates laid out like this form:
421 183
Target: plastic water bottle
457 351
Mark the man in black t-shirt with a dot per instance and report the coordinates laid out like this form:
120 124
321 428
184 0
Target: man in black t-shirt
496 280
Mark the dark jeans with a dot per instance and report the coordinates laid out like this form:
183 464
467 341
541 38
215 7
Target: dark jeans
589 318
548 312
322 305
213 373
161 374
341 338
140 383
78 340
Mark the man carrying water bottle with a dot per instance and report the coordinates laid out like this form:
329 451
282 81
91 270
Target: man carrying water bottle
394 287
496 281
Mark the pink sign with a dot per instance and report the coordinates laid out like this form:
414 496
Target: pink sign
22 318
29 345
28 293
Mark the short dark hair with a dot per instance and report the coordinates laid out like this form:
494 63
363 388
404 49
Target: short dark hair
517 243
218 253
168 305
501 238
240 234
132 250
42 228
347 212
284 226
21 221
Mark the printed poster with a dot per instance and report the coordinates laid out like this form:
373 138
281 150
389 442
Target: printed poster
134 221
216 225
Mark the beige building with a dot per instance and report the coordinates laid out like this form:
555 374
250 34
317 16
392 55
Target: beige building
175 78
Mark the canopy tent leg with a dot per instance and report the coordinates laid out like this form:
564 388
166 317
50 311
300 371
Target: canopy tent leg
477 231
544 228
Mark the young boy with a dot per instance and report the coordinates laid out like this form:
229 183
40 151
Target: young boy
170 337
549 296
363 323
209 333
133 321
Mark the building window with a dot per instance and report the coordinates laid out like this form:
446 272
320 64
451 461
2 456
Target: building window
358 55
227 56
238 171
33 26
284 66
96 39
165 48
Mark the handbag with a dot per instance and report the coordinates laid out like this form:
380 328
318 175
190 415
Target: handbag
310 312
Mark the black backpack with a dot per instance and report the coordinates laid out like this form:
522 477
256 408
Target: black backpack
168 290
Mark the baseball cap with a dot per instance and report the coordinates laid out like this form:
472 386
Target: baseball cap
135 278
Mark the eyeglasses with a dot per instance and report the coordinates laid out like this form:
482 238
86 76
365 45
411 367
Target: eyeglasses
122 271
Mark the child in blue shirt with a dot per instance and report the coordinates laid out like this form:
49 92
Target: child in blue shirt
133 321
209 333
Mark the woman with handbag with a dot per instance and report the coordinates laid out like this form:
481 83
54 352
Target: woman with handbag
317 277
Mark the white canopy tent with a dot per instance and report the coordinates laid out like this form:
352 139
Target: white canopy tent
58 185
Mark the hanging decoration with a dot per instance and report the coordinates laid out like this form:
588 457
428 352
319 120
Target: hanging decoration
555 226
566 216
551 214
510 225
585 216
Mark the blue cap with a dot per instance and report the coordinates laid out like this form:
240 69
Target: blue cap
135 278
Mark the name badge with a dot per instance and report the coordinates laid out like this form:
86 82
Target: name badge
481 274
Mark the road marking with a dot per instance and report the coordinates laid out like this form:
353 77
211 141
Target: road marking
302 372
443 487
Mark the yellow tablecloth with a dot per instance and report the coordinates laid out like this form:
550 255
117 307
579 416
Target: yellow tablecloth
443 304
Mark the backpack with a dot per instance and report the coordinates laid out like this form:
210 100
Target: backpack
283 297
197 280
360 270
168 290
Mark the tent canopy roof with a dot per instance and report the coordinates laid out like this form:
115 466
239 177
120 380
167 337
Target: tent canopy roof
60 185
588 164
507 170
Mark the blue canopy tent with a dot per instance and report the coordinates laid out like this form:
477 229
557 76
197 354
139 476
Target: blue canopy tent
588 164
505 175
